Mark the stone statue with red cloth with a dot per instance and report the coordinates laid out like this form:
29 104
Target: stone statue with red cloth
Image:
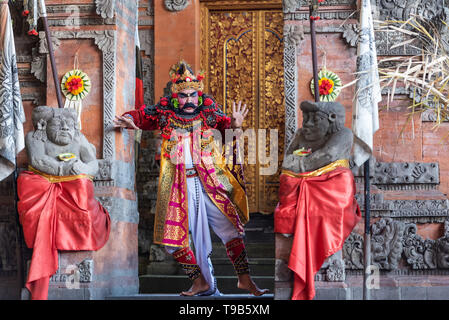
56 207
317 189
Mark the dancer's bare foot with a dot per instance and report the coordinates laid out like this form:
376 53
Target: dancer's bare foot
246 283
199 285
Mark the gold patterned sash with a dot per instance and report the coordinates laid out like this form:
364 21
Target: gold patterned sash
57 179
318 172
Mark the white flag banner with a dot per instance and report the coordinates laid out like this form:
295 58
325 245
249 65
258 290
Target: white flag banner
365 113
12 115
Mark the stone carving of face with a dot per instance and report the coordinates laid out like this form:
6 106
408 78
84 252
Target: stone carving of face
61 130
188 101
315 125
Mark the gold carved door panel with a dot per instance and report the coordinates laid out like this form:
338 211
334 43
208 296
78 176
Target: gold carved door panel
242 54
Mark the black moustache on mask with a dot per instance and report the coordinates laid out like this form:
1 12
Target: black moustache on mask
189 105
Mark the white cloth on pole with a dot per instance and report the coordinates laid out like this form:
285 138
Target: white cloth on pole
12 115
365 113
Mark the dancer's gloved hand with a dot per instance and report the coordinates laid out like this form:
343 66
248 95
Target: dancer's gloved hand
124 122
238 115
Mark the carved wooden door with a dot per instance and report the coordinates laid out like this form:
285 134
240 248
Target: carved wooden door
242 54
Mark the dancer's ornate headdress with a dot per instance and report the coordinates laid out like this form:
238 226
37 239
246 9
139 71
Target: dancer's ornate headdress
183 78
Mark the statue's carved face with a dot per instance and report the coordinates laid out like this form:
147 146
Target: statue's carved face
315 125
61 130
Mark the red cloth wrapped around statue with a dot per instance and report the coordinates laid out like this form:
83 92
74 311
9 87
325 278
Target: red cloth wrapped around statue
319 208
58 213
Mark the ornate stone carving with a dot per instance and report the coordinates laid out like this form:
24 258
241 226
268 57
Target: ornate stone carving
148 80
105 8
351 3
176 5
353 251
105 170
385 40
324 15
146 38
290 82
426 253
402 9
43 47
351 34
406 173
293 34
86 271
39 66
391 239
442 248
82 272
430 116
336 271
442 23
290 5
386 243
150 8
419 253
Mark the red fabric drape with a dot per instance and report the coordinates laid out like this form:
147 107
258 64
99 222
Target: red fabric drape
321 212
58 216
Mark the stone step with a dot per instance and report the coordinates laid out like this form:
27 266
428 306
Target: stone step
222 267
164 296
258 266
254 250
164 284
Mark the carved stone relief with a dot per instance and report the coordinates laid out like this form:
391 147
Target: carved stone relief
419 253
39 66
290 5
334 267
426 253
402 9
406 173
391 240
293 36
351 34
86 270
176 5
82 272
387 175
353 251
386 243
105 8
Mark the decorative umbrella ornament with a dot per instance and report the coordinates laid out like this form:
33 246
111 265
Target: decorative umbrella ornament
75 86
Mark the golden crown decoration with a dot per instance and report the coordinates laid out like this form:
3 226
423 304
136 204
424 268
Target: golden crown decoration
183 78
